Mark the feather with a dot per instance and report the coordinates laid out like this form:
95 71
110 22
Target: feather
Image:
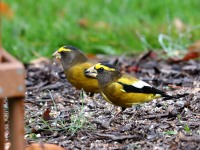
146 88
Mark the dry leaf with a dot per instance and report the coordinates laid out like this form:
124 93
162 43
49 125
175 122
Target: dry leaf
193 51
46 115
191 55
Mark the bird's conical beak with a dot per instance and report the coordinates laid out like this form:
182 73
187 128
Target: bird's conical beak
56 55
91 72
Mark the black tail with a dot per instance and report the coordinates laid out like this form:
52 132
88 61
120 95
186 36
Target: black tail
167 97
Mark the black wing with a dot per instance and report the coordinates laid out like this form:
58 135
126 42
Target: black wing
144 89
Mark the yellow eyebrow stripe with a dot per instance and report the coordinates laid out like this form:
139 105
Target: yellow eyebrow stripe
62 49
99 65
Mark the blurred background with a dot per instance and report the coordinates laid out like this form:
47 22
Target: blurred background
32 29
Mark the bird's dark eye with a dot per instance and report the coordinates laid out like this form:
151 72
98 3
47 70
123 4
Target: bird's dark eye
100 69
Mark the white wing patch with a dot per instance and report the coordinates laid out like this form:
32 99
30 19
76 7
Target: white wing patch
140 84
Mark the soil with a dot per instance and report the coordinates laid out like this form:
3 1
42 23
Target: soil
55 112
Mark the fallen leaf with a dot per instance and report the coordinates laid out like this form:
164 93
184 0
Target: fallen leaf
132 69
193 51
191 55
46 115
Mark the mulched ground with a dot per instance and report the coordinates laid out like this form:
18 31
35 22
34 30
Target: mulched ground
55 112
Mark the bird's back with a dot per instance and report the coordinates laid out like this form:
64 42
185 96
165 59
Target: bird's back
117 94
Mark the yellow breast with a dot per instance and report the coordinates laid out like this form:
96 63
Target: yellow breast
76 77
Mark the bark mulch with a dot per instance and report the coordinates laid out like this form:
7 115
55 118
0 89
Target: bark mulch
55 112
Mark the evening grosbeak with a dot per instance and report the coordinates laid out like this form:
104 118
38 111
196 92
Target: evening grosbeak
122 89
74 63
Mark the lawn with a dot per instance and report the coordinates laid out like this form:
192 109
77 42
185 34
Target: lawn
38 28
58 113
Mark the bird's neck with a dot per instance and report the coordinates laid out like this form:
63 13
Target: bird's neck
108 78
68 62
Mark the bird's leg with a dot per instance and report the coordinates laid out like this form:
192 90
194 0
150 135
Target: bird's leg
120 111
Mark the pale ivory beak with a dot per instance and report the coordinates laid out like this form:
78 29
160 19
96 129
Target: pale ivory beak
91 72
56 55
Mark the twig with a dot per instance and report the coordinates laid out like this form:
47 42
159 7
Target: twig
119 138
104 124
29 101
155 116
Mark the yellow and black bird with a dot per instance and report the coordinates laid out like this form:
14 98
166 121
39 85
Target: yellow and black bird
122 89
74 63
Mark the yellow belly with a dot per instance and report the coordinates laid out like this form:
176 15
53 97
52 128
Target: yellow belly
75 75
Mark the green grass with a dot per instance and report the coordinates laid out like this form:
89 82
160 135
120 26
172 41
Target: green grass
38 28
